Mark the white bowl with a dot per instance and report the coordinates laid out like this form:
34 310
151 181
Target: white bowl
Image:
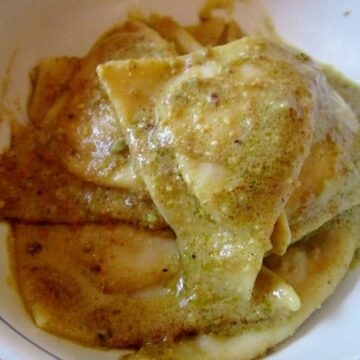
34 29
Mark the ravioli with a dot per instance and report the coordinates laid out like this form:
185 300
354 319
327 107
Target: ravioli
112 286
36 190
335 155
187 136
46 191
81 131
49 79
335 152
175 34
336 158
313 267
209 158
186 106
215 31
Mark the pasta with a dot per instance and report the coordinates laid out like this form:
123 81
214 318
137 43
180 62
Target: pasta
172 171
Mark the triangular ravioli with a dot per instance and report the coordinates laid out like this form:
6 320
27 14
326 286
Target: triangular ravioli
113 286
37 190
82 131
313 267
212 113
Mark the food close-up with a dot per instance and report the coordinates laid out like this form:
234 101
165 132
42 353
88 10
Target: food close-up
182 191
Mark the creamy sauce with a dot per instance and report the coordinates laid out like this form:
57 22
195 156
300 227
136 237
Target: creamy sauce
118 286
